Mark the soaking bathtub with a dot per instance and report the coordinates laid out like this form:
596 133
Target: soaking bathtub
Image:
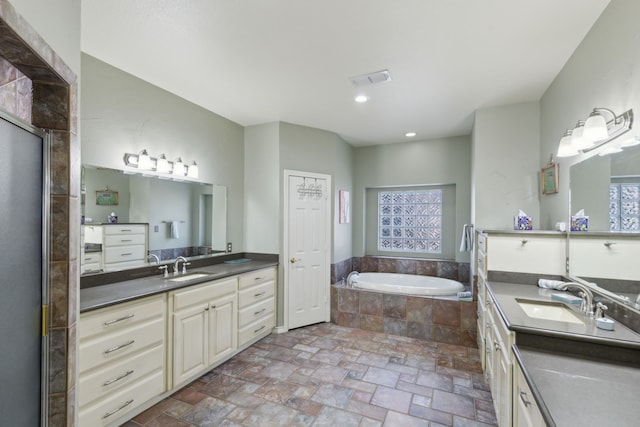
407 284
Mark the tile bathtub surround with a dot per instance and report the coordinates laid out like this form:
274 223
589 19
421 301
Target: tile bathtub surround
459 271
441 320
328 375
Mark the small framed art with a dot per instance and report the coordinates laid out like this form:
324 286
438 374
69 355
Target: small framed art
549 176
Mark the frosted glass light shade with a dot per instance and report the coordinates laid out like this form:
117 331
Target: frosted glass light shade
178 167
162 164
144 161
578 140
565 148
192 170
595 128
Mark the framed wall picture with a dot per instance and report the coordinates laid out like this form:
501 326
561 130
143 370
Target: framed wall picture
549 177
107 198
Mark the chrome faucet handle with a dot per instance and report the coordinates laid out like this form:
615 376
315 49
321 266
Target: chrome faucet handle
166 270
600 308
184 267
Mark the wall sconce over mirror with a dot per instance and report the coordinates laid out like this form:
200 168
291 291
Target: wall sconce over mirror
601 127
144 162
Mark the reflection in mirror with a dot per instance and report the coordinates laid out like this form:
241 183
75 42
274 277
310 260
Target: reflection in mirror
184 218
608 189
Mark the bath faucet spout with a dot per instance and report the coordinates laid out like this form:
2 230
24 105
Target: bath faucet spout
154 257
587 297
176 265
349 279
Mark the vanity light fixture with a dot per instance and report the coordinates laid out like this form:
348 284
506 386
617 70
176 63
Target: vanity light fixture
360 99
595 132
410 134
142 161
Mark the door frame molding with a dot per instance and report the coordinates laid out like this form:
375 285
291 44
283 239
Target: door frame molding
285 244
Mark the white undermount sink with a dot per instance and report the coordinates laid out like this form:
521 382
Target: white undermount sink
549 311
188 277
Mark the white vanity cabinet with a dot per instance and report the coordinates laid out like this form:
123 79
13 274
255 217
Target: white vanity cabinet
526 412
600 255
541 253
256 304
90 261
121 359
203 327
124 246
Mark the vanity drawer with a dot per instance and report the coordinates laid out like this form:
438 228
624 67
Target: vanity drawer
102 349
256 328
122 316
253 312
112 230
113 376
121 402
256 293
201 294
256 277
124 253
91 257
124 240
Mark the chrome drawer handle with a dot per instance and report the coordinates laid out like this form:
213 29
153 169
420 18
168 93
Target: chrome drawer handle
259 329
111 322
108 414
122 229
259 294
259 312
125 375
125 240
259 278
112 349
127 254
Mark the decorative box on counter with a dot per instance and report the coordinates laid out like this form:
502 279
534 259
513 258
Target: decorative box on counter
522 222
579 221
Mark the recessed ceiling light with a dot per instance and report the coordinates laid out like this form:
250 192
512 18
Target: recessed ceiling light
410 134
361 98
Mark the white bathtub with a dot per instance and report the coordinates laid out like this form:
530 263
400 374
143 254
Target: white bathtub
408 284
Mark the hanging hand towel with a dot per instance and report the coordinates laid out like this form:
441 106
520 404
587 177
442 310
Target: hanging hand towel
466 243
175 233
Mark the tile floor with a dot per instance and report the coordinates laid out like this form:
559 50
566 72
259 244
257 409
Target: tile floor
329 375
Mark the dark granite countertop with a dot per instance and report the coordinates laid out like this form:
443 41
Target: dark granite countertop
579 374
95 297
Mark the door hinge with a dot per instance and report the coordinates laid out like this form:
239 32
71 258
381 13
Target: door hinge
45 320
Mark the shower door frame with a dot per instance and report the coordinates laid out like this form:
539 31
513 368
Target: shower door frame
46 234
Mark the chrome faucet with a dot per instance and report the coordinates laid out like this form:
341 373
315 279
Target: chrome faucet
155 257
349 281
585 293
176 265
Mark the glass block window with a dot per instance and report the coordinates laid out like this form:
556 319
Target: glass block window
624 207
410 221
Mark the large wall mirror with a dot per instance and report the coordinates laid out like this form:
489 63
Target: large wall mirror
184 218
607 187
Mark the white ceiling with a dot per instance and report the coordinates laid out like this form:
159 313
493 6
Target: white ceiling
259 61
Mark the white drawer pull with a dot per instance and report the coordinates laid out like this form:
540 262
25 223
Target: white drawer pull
111 322
259 294
108 414
259 312
112 349
125 375
259 329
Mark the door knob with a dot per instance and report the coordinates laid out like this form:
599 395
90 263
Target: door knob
294 260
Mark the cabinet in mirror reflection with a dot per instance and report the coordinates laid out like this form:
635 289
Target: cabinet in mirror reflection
179 218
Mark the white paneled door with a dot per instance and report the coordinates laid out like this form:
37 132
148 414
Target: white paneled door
308 242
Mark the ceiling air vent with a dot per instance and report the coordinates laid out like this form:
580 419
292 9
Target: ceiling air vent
371 78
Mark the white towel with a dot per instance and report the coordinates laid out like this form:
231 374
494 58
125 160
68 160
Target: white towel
551 284
175 232
466 243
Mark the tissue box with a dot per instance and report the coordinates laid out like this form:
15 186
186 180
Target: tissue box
579 223
522 222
